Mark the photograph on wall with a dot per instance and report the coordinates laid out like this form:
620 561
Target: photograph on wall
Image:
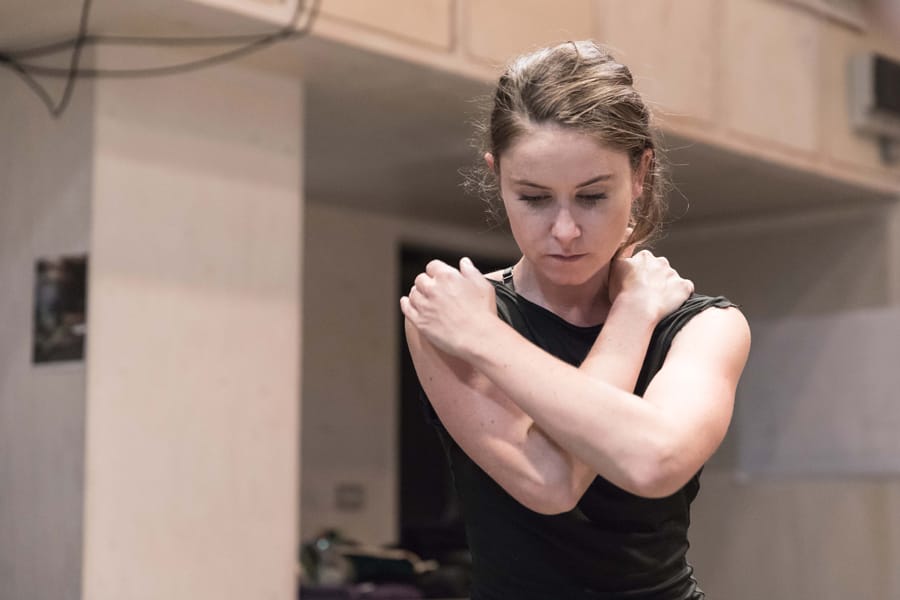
60 309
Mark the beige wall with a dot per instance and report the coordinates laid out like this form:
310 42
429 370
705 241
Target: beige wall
351 321
807 263
193 359
45 194
826 538
815 537
165 465
763 77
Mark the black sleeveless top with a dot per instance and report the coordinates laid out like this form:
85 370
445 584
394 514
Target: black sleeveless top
613 545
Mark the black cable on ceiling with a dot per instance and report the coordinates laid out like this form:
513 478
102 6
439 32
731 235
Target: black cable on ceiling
250 43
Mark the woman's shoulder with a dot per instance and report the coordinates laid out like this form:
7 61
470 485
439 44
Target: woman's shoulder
697 300
708 328
693 306
694 310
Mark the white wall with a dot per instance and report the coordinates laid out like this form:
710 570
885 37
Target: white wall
808 263
194 355
351 318
45 192
804 537
825 538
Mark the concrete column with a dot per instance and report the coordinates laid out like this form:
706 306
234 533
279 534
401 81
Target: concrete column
45 194
193 378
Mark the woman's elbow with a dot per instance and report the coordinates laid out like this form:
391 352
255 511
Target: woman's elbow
550 501
658 477
657 488
546 497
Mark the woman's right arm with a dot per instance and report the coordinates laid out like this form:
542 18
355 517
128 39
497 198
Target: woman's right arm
492 430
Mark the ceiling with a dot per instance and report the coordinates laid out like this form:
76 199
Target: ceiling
388 136
383 135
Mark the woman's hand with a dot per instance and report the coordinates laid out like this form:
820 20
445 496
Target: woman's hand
452 308
647 282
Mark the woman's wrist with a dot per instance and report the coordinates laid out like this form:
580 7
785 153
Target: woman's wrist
618 353
635 306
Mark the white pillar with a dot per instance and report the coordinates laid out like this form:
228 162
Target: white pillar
193 380
45 194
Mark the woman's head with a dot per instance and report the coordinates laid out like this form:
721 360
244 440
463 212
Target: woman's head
576 86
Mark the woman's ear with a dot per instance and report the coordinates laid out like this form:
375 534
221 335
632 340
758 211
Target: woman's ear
640 174
489 161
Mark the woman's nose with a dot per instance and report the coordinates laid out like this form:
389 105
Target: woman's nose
564 227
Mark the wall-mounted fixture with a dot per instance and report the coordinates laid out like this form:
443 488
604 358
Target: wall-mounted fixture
875 101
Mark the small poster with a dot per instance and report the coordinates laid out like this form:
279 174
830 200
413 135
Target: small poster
60 309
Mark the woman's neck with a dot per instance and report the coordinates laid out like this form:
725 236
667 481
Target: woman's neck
582 304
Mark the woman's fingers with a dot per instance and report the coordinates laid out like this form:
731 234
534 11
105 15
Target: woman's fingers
416 301
436 267
408 310
450 307
468 268
650 279
626 250
423 283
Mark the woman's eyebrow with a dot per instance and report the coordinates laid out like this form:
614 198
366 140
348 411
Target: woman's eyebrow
596 179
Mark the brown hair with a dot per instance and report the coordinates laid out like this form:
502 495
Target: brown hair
581 86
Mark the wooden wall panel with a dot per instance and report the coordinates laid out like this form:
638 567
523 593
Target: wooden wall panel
496 31
670 46
424 21
770 73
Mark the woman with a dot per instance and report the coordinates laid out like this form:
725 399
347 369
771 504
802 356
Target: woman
575 419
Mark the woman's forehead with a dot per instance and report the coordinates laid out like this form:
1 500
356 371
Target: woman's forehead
558 154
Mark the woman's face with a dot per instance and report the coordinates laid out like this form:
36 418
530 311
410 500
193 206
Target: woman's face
568 200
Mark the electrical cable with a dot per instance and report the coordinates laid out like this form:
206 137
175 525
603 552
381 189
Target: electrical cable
122 40
257 42
90 39
289 30
254 42
75 61
70 73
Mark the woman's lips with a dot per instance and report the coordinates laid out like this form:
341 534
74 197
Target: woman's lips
566 257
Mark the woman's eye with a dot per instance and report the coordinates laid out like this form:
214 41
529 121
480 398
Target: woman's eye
592 197
527 198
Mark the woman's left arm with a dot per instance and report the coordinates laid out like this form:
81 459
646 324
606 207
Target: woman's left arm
655 443
650 445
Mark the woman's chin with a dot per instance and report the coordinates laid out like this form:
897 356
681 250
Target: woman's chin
572 272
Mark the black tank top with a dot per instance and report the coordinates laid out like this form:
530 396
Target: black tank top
613 545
